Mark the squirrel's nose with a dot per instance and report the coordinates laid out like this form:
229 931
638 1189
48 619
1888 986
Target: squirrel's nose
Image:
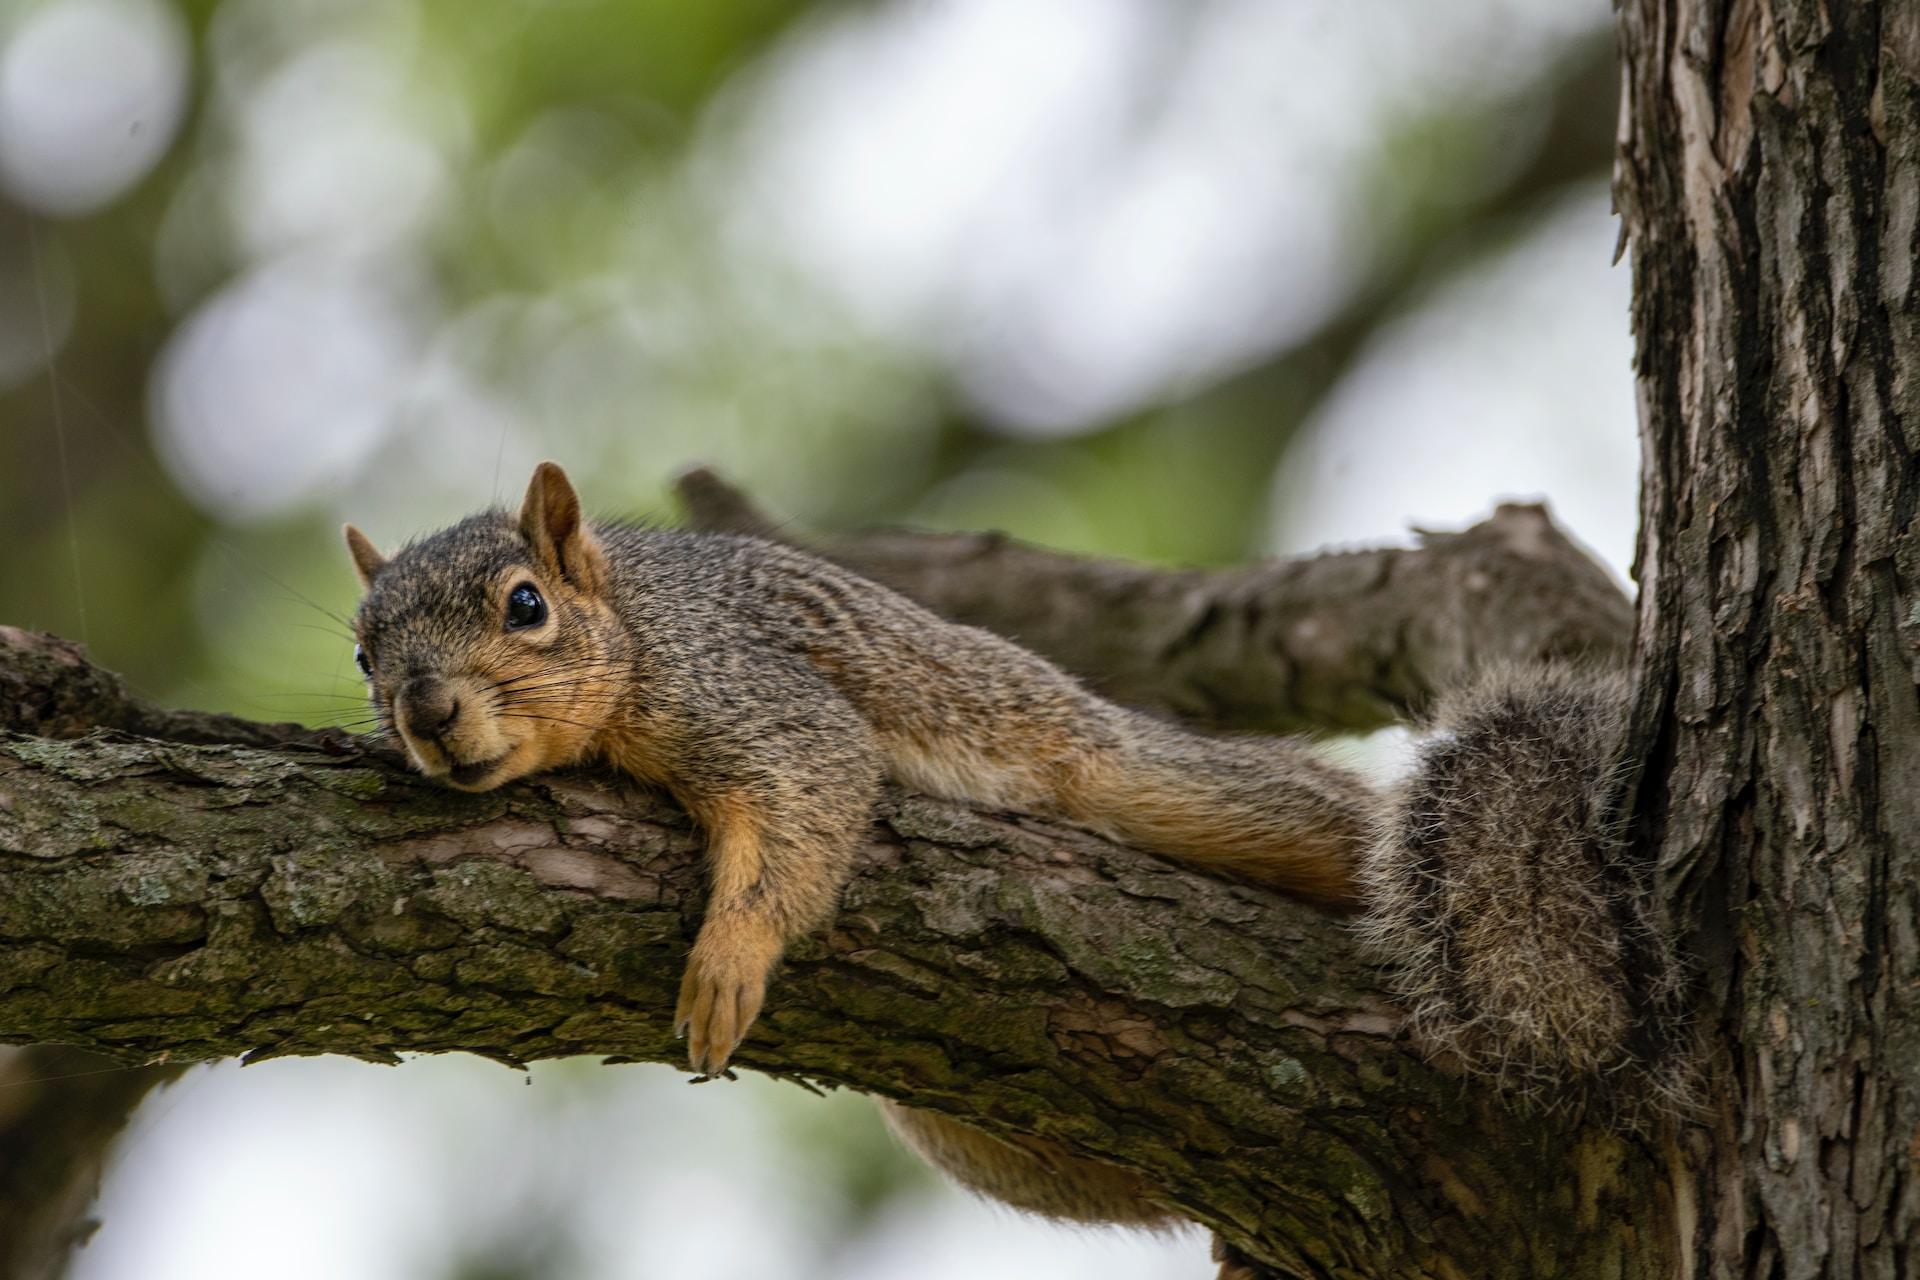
428 708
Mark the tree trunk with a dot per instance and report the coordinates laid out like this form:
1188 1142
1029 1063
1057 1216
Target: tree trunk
1769 179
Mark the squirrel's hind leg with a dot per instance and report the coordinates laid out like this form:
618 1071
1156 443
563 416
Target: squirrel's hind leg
1264 809
1034 1175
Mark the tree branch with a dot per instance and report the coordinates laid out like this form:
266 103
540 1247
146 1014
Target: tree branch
1348 640
48 688
163 899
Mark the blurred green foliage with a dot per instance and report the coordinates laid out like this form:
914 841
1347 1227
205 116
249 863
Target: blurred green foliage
570 266
571 284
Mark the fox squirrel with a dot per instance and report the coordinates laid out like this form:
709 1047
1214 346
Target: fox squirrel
771 691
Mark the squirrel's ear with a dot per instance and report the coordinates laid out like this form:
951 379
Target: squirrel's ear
550 519
366 561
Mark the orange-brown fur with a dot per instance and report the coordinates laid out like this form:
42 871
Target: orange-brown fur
1307 851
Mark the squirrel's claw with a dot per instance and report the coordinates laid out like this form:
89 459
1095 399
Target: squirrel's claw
718 1002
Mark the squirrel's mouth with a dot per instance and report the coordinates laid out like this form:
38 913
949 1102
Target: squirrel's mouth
467 775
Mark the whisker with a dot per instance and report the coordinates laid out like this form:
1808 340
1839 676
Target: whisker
583 697
578 700
561 700
563 664
550 685
335 632
514 715
561 675
600 713
289 697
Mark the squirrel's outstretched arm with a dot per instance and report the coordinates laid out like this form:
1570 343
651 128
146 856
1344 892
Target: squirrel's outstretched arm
784 788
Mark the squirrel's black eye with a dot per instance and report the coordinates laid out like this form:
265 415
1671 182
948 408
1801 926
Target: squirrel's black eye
525 608
360 660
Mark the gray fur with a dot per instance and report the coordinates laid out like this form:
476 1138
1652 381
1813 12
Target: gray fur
1523 936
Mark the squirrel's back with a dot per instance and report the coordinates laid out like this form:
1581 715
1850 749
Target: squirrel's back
965 714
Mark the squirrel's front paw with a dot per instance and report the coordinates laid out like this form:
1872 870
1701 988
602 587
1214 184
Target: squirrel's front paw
724 987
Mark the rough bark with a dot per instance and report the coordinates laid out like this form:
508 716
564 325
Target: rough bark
1770 182
49 689
1343 641
203 900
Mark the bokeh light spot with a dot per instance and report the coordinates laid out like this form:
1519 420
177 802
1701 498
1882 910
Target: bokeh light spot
91 92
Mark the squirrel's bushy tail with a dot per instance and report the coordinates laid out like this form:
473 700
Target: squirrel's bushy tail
1523 936
1261 809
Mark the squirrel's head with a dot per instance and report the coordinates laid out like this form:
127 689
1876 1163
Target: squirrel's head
491 649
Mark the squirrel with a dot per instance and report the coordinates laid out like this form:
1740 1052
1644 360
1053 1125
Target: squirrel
771 692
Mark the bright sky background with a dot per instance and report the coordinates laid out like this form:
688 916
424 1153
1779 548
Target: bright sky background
357 1162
